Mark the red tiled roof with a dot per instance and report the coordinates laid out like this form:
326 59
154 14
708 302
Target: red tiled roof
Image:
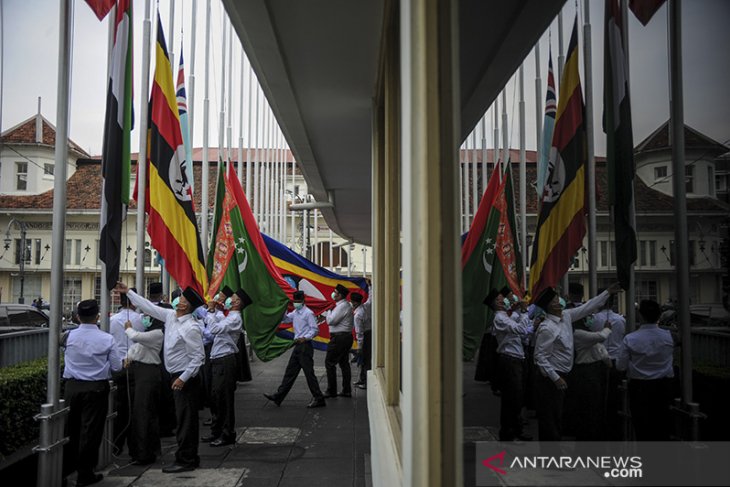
88 176
25 134
693 139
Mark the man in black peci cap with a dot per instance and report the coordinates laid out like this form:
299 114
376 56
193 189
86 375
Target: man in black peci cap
647 355
341 321
184 356
301 358
90 357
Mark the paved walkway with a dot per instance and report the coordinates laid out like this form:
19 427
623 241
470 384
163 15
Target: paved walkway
276 446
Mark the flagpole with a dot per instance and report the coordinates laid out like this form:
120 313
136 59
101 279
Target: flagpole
222 113
561 51
52 416
495 152
249 175
474 175
282 187
630 306
591 173
331 266
681 234
142 157
172 38
256 180
293 198
316 237
230 93
191 78
266 171
240 122
204 199
484 153
538 105
464 191
505 135
523 176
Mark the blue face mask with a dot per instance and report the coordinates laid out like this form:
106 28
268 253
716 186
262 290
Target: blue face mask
146 321
563 304
227 304
298 305
507 303
334 295
175 302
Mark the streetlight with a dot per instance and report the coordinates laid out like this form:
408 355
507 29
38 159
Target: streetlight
22 254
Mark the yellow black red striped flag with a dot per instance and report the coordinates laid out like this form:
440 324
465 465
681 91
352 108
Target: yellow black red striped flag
561 224
172 225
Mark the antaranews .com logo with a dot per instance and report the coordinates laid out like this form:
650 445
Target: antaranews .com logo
614 467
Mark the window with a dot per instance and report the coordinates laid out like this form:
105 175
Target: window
642 253
71 294
147 258
27 252
48 169
37 251
21 170
652 252
660 172
710 181
671 252
31 288
646 289
691 252
77 254
647 253
689 178
114 302
67 252
603 253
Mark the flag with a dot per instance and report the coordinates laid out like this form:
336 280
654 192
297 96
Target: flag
172 225
561 221
115 160
507 267
547 128
644 10
477 262
182 108
238 259
620 141
102 7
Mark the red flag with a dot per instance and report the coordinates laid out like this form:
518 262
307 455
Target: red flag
644 10
101 7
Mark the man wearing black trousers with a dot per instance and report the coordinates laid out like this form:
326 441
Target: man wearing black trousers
340 321
90 357
184 356
301 358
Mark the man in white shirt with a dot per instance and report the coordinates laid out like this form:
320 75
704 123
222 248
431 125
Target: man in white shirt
301 358
363 333
647 355
184 356
116 328
340 321
554 357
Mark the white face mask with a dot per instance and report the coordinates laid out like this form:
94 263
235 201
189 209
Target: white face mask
298 305
334 295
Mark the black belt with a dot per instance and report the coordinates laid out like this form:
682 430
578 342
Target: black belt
512 357
101 381
223 358
341 333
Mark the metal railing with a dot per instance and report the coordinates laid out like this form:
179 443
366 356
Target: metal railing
23 346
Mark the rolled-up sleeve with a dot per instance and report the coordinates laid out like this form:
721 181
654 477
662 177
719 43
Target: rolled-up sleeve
196 353
148 307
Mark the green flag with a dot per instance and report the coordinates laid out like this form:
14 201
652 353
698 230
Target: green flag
239 259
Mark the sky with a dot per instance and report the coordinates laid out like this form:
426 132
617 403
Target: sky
30 67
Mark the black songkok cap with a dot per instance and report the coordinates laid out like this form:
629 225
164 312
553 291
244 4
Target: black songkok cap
544 299
245 298
342 290
298 295
193 298
88 308
154 288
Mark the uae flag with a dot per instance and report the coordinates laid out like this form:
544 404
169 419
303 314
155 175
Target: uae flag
115 159
239 259
477 264
619 141
172 226
561 222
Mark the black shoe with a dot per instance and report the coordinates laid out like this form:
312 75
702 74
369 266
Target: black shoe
346 394
273 398
175 468
330 395
89 480
222 442
317 403
209 438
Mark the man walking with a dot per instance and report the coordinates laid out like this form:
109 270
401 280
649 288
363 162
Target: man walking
305 329
364 333
340 321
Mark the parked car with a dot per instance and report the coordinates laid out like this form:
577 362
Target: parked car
14 316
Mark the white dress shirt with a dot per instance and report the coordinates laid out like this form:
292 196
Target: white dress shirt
554 340
647 353
146 346
183 346
589 346
226 331
305 324
509 332
618 329
340 319
363 320
91 354
116 328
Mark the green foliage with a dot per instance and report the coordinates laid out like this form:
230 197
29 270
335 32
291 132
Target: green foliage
22 391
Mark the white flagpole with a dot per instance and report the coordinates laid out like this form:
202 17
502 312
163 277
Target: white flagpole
222 114
229 129
206 133
256 176
316 237
331 266
474 174
496 137
191 77
485 173
172 41
591 169
561 50
505 135
523 176
240 121
142 158
249 104
464 191
282 194
538 103
294 200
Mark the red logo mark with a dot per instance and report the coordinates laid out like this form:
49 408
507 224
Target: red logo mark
499 456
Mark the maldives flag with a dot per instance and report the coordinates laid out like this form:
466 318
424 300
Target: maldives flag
115 159
238 259
477 263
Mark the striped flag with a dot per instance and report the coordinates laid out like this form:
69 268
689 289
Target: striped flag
102 7
619 141
561 223
547 128
115 160
182 108
172 225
